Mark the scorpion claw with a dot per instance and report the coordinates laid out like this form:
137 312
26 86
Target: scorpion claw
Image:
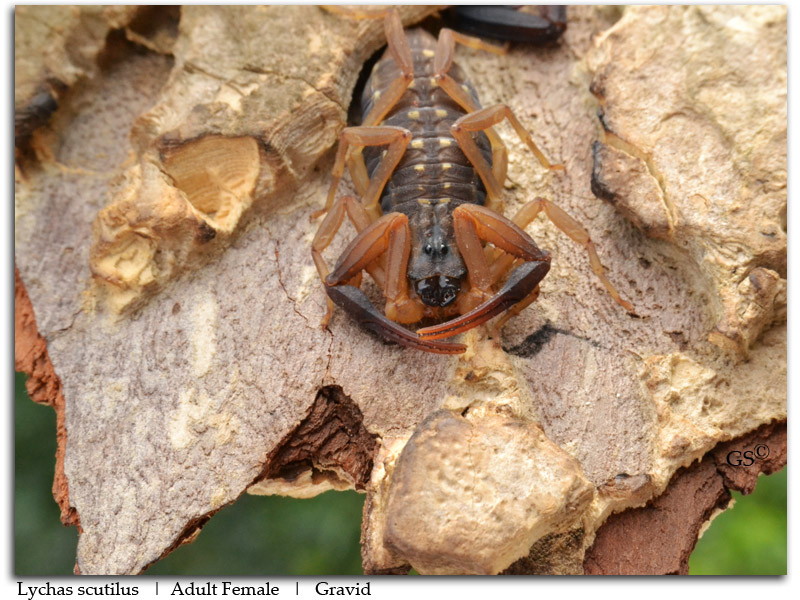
522 282
355 302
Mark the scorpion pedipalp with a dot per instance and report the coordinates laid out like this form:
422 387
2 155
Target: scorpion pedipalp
522 282
357 305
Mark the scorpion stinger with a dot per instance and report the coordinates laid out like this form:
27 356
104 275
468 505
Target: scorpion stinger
508 24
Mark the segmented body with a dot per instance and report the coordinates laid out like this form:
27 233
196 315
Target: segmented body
434 176
434 167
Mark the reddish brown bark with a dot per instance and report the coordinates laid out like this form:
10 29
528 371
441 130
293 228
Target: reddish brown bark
658 539
44 387
332 437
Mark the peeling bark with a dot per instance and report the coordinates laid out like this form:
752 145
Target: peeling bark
659 538
44 387
329 449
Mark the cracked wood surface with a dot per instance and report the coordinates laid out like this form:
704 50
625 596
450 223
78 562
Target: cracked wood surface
730 183
193 360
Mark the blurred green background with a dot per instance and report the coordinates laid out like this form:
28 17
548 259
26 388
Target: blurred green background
282 536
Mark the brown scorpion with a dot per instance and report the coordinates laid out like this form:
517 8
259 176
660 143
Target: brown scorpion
429 168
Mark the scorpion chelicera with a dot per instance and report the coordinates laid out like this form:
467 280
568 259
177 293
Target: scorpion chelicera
429 169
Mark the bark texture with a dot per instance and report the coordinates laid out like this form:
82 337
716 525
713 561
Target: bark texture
659 538
163 240
702 149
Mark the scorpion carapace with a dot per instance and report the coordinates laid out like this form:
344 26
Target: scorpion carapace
429 168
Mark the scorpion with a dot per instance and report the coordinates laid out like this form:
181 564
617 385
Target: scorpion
429 167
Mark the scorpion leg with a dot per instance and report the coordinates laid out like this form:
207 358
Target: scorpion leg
508 24
443 61
573 230
502 262
474 224
358 170
398 48
578 234
401 53
468 41
389 234
397 139
485 119
360 214
326 232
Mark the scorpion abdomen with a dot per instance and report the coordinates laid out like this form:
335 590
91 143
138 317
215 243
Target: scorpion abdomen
433 168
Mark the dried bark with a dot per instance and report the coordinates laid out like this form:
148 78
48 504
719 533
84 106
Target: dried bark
53 50
330 445
731 182
659 538
43 386
485 461
162 234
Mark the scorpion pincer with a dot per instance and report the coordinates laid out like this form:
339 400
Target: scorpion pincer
428 168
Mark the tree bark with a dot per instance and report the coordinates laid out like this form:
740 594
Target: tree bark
162 240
